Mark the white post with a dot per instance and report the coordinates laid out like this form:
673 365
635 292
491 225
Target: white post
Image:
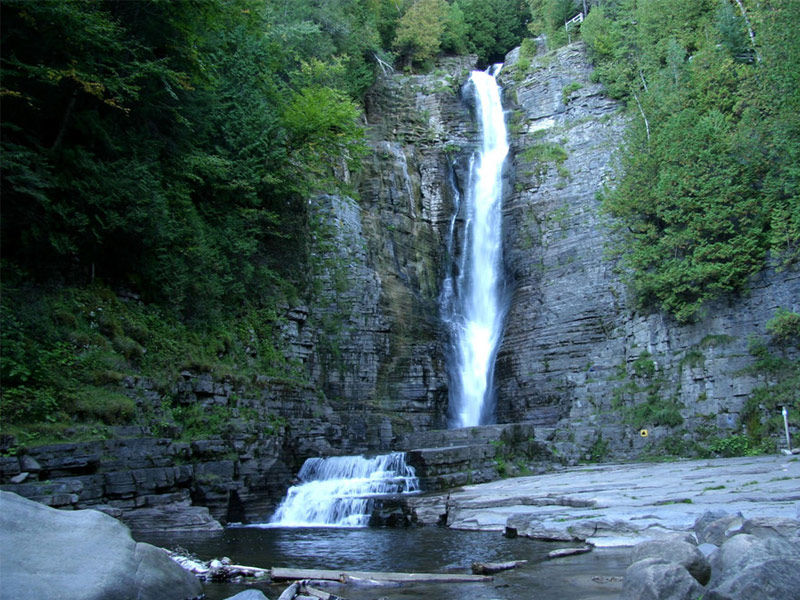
786 428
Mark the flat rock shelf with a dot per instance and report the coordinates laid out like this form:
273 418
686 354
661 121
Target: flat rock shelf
623 504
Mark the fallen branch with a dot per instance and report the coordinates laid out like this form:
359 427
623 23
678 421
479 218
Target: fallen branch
284 574
562 552
359 582
489 568
216 569
290 592
322 595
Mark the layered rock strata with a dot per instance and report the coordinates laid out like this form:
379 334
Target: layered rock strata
577 358
368 348
622 505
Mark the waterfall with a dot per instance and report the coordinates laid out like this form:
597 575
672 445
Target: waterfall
340 491
472 304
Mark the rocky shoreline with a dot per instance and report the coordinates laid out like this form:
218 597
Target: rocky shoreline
715 527
621 504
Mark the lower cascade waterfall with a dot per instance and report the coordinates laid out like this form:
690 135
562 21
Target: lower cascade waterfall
472 300
340 491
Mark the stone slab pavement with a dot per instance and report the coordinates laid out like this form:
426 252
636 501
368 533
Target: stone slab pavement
621 504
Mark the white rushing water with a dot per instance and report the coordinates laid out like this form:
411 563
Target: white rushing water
472 301
340 491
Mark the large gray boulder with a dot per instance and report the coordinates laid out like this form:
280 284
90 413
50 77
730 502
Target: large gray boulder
248 595
81 555
675 551
767 527
748 567
716 527
653 579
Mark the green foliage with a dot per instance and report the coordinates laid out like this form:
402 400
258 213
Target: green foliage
599 450
738 445
780 374
495 26
654 412
706 191
419 32
542 156
639 398
65 353
455 37
784 328
644 366
166 149
544 152
171 149
732 31
568 90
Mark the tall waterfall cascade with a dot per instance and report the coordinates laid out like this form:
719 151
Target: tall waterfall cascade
340 491
473 307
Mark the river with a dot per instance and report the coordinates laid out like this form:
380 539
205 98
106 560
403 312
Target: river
423 549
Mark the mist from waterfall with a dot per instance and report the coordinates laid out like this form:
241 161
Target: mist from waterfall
472 301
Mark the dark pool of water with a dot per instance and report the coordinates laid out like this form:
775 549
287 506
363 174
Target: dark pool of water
426 549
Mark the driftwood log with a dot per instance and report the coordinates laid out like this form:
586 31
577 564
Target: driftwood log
479 568
218 569
290 592
569 551
282 574
369 583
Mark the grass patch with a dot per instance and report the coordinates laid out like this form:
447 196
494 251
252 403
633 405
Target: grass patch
66 352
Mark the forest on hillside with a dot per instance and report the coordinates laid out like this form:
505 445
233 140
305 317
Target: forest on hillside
159 159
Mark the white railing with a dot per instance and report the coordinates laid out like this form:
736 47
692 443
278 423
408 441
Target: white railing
574 20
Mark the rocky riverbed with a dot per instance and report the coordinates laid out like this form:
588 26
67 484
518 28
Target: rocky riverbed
714 519
622 504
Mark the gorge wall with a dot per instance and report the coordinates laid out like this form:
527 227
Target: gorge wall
369 348
576 361
599 378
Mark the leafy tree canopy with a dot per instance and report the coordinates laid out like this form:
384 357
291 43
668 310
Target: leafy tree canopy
169 146
708 185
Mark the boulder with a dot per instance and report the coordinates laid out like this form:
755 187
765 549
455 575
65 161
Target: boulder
747 566
653 579
675 551
248 595
714 529
776 578
766 527
81 555
30 464
178 516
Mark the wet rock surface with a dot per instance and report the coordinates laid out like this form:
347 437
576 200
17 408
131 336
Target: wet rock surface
82 555
610 505
455 457
574 345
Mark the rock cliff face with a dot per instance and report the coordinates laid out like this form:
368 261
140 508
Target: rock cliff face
383 365
577 358
369 347
578 363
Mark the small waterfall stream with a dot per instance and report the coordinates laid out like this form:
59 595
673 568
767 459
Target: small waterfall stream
340 491
472 303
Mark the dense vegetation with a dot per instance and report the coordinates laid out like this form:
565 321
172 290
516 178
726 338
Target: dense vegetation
160 161
710 174
159 164
708 187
